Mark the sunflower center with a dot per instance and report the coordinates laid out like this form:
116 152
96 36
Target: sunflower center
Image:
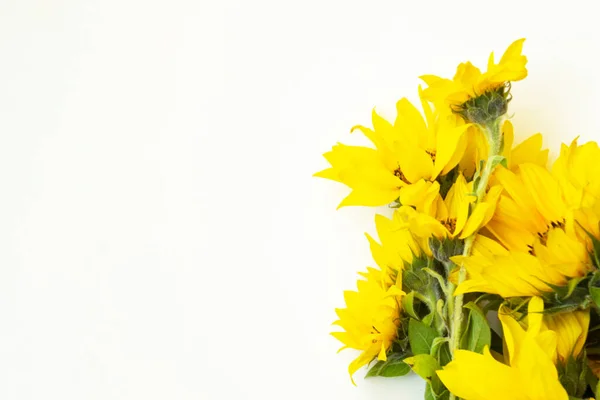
553 225
373 332
449 224
399 174
431 154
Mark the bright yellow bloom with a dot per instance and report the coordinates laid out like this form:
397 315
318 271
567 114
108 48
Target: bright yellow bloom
452 218
571 331
541 220
371 318
493 269
530 373
408 157
470 82
534 216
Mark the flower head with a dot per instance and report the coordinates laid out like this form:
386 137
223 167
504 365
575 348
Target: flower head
493 269
408 157
372 315
469 82
534 216
371 318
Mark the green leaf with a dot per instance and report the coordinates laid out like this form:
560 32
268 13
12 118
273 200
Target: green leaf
420 337
408 305
430 393
477 335
429 318
423 365
393 366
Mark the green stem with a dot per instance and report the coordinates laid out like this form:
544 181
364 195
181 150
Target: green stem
494 138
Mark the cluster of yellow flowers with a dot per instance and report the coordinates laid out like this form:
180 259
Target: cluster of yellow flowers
482 230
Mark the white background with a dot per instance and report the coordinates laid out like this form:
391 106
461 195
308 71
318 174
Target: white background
161 236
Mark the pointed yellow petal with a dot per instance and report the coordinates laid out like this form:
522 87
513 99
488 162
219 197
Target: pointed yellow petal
475 376
544 190
369 197
482 213
530 151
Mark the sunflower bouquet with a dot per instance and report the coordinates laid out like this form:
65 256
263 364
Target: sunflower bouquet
487 276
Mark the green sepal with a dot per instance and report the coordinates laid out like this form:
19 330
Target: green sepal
443 249
393 366
413 276
575 295
573 375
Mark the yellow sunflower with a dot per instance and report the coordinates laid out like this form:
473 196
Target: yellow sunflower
469 82
408 157
372 315
452 217
533 215
528 374
371 318
493 269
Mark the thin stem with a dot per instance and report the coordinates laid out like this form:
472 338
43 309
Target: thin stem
493 135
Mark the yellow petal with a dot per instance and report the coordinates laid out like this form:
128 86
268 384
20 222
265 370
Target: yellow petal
530 151
482 213
369 197
514 334
415 163
475 376
450 147
458 200
544 190
410 123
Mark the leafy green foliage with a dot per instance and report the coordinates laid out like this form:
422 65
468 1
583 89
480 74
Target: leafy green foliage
477 333
430 393
393 366
440 349
423 365
420 337
573 375
443 249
